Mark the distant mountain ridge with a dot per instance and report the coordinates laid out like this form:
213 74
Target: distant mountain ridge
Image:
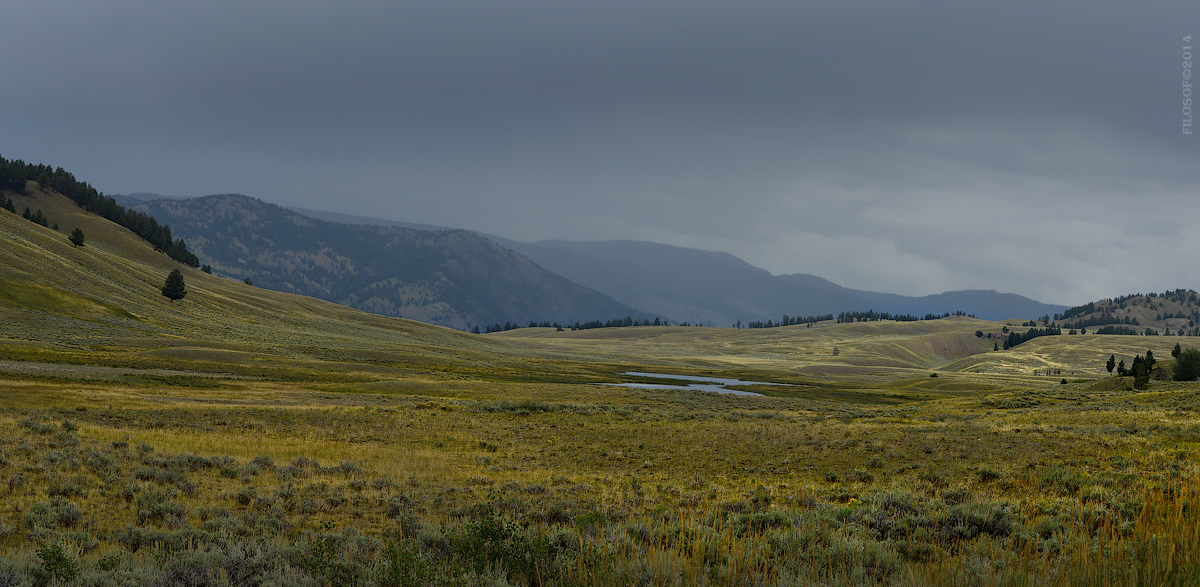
985 304
721 289
704 287
451 278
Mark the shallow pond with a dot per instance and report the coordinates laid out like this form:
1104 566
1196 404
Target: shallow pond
716 384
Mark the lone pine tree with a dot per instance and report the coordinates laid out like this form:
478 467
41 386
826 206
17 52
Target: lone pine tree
77 237
174 287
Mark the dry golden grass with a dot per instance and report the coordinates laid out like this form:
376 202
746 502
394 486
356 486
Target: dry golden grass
296 414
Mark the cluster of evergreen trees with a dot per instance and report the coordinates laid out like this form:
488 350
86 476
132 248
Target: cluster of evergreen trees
1153 301
1089 308
1187 363
1141 368
34 217
873 316
1193 317
1182 296
614 323
497 327
844 317
789 321
1101 320
1117 330
14 174
1187 366
619 323
1016 338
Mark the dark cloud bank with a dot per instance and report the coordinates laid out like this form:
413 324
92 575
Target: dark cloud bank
907 147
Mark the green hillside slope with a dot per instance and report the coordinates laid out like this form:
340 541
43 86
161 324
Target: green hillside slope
101 304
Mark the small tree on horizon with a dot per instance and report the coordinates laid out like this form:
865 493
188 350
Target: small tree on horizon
174 288
77 237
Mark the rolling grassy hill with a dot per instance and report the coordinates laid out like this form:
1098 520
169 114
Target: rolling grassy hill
101 304
1169 313
881 349
245 436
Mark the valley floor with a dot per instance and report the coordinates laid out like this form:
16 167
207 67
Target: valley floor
884 476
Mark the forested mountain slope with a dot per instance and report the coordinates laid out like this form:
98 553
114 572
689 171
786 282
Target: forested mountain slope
453 278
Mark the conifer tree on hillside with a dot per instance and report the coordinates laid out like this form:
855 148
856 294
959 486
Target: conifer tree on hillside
1112 363
174 288
1141 375
1187 365
77 237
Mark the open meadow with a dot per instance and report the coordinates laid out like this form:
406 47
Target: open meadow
244 437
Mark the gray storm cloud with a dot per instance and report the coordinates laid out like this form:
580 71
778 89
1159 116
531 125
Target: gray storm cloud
912 147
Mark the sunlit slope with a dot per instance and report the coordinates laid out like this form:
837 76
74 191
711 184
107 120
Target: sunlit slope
860 348
1077 355
949 345
101 303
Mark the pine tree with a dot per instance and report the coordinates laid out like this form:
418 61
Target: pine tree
1112 363
77 237
1141 375
174 287
1187 365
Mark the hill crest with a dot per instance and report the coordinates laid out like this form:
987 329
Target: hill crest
1171 312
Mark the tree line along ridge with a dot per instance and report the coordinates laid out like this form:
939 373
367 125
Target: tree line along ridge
14 174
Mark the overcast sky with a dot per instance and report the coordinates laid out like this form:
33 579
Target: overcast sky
909 147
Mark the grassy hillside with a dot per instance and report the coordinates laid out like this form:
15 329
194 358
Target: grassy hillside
1169 313
883 350
101 304
242 436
